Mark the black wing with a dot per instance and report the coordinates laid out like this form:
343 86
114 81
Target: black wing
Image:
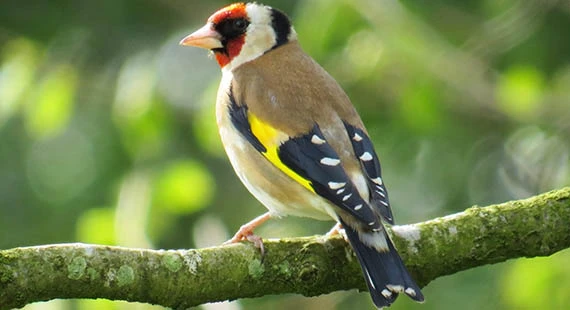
313 158
364 149
238 116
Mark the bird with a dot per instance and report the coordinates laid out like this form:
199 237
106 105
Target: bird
296 141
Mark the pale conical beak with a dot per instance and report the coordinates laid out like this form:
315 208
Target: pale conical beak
205 37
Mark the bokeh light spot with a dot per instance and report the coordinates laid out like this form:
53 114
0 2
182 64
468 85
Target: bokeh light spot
96 225
184 187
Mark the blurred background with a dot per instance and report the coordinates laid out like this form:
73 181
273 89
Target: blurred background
108 135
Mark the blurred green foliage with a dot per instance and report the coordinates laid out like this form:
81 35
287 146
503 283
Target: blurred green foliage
108 135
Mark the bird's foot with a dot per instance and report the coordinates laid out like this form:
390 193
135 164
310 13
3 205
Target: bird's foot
336 230
245 233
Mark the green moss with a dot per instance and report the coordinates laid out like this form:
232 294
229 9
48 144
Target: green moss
125 276
284 268
256 269
92 274
76 269
309 274
5 275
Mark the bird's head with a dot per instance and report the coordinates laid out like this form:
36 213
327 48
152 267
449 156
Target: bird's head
241 32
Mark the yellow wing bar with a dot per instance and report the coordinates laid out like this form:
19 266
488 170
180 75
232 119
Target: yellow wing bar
270 139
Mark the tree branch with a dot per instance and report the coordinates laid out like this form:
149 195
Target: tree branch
537 226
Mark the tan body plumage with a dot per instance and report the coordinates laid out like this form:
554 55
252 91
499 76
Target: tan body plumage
317 98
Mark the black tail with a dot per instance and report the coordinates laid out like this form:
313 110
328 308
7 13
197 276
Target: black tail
385 273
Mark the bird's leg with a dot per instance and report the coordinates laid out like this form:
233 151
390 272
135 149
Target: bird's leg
245 232
334 231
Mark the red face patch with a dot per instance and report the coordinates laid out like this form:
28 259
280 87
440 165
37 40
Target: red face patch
236 10
233 47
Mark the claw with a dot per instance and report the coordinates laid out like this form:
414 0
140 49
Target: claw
258 243
245 232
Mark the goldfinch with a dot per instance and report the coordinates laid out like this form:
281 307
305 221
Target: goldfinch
296 142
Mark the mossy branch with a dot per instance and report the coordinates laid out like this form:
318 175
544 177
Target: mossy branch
538 226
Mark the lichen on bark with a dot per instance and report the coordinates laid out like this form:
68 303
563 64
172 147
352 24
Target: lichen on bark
537 226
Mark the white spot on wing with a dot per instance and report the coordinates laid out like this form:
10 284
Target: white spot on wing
371 223
336 185
386 293
345 198
410 291
381 194
358 207
317 140
340 191
330 161
366 156
357 137
377 180
395 288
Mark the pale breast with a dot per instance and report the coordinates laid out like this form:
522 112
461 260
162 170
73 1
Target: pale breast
280 194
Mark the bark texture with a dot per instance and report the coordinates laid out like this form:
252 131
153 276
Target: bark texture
537 226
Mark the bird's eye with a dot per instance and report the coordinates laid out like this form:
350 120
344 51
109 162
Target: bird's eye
239 24
232 28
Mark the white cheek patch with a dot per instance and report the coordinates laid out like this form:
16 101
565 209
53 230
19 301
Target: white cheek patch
259 37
